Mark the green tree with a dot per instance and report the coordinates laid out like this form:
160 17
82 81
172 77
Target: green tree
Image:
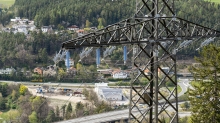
64 110
3 89
57 112
100 26
79 106
206 88
51 117
69 111
88 24
184 120
43 55
33 117
185 105
2 103
61 73
12 115
79 109
85 92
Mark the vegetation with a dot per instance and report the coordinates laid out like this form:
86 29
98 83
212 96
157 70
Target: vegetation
37 49
204 97
6 3
24 107
20 106
216 1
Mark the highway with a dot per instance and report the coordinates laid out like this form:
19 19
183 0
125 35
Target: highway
58 84
110 116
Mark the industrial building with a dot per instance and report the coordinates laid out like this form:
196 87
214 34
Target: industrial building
108 94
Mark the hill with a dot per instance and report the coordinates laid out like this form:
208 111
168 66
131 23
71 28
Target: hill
17 50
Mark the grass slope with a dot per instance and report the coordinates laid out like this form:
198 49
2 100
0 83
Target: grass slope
215 1
6 3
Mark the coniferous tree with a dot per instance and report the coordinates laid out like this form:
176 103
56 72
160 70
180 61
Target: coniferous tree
57 112
69 111
51 116
204 97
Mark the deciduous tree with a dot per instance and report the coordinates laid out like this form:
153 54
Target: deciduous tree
33 117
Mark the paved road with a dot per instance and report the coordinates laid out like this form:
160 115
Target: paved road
60 84
184 84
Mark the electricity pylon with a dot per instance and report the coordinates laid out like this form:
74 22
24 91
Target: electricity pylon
153 25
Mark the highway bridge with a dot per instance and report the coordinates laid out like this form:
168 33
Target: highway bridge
111 117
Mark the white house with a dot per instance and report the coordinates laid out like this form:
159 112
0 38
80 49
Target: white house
32 27
71 62
16 19
46 29
7 71
119 74
73 28
22 29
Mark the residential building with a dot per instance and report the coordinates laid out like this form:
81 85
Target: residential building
38 70
119 74
71 62
50 71
165 70
73 28
146 72
80 32
7 71
16 19
46 29
23 29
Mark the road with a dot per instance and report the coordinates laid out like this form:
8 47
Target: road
60 84
184 84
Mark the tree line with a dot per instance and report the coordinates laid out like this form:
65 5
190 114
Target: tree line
80 12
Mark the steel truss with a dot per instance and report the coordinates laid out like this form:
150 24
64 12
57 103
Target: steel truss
155 31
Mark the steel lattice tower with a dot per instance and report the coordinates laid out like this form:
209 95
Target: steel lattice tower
154 31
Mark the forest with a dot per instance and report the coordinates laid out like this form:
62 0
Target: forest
38 49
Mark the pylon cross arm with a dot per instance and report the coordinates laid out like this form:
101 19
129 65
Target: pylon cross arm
135 32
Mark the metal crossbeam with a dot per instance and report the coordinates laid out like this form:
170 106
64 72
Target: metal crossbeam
153 25
126 32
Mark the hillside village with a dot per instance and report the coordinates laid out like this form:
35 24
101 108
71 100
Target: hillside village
22 25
